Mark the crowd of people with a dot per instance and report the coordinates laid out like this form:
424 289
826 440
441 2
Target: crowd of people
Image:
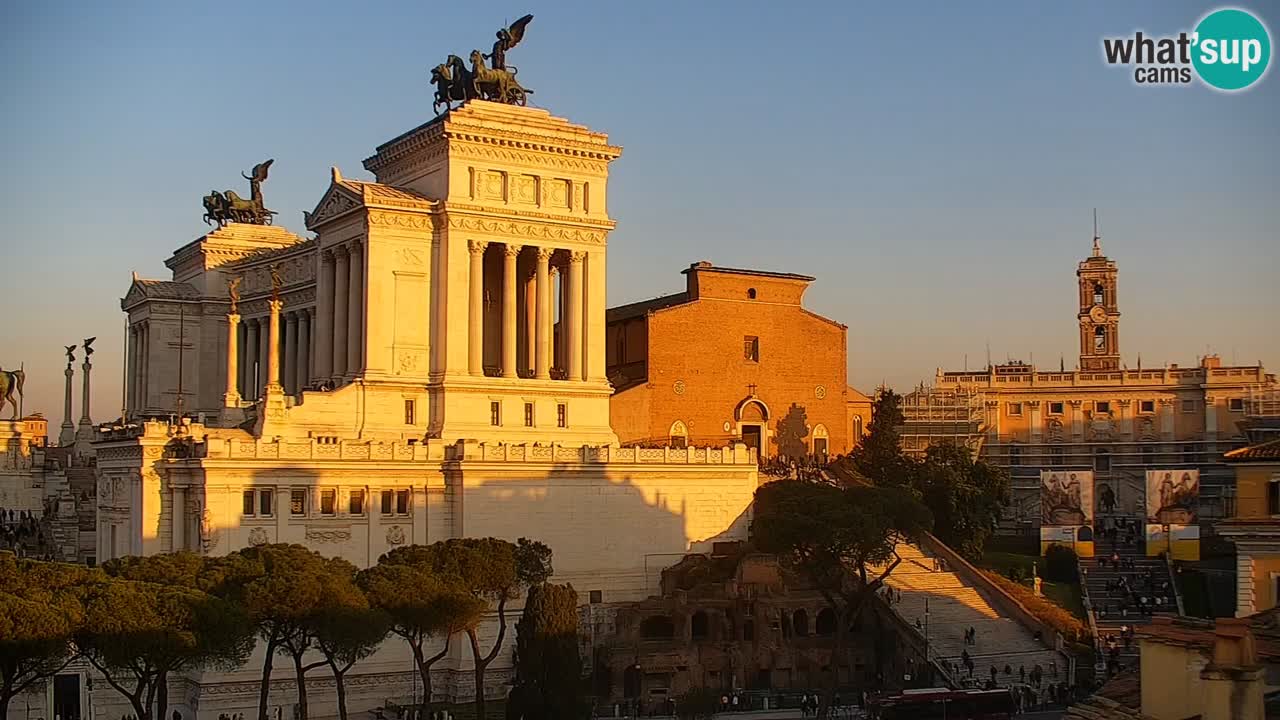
1113 643
22 533
1140 591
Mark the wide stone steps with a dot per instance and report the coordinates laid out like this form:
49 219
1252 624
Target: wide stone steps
954 607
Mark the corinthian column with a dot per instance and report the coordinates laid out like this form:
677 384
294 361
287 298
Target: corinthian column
542 275
355 311
273 344
509 255
232 397
291 352
322 366
475 322
252 351
574 338
300 372
341 302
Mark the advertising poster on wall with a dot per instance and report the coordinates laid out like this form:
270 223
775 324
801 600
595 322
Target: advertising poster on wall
1066 510
1173 513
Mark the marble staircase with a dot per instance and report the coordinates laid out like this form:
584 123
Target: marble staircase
954 606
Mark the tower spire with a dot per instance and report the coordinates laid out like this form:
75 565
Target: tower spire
1097 245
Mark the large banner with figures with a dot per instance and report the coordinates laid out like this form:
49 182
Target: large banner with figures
1066 510
1173 513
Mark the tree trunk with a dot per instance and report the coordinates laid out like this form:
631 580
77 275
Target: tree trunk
162 696
424 670
483 663
339 683
302 686
843 618
264 691
5 697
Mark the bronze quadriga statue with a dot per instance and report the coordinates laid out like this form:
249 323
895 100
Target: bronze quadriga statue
455 82
222 208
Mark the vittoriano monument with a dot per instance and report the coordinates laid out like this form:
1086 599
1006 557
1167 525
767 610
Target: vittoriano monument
222 208
456 83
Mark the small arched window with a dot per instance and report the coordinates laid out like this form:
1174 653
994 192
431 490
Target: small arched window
751 293
820 441
698 626
857 429
800 622
1099 340
825 623
679 435
1098 294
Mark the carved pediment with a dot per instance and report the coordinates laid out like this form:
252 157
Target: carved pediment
338 200
135 295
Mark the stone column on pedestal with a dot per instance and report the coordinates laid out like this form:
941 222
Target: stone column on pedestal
1077 420
273 345
573 342
341 304
355 310
68 435
231 398
542 277
509 255
85 432
144 390
134 347
291 353
1036 429
475 320
266 348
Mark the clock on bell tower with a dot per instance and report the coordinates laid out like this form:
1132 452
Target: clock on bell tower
1099 316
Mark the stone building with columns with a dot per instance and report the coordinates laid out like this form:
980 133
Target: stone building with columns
1102 416
429 365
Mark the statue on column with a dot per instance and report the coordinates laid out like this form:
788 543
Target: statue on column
88 348
71 355
233 292
276 281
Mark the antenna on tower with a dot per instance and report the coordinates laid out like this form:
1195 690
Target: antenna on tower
988 355
1097 246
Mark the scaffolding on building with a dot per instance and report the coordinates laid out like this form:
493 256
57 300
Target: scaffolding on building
933 415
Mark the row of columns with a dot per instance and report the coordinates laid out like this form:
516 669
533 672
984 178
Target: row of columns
340 312
139 365
248 361
538 322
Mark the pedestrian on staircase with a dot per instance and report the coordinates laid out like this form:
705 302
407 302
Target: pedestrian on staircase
1022 673
993 673
1008 671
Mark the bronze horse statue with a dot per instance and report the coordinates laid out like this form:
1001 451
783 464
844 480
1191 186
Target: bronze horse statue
453 83
11 382
222 208
498 85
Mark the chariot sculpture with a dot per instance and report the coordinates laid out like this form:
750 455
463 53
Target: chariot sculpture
455 82
221 208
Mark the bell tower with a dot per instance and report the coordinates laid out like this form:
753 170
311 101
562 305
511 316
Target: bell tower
1099 315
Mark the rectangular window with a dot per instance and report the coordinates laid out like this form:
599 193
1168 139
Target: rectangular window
597 597
388 498
562 415
355 504
1235 404
751 348
1188 406
528 414
265 499
1147 406
249 508
328 502
409 412
402 502
1055 408
1102 406
1015 409
495 413
1056 457
1273 496
298 502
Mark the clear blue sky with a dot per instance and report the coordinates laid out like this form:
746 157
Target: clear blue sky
933 164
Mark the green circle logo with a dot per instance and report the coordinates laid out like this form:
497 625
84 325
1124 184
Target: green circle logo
1232 49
